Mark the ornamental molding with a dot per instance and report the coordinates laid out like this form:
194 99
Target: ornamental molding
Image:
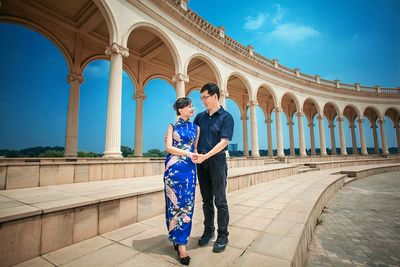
180 77
75 78
117 49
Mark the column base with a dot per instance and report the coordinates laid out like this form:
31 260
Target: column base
324 154
113 154
71 155
364 153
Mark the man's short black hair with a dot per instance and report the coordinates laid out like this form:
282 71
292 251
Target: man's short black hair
182 102
212 89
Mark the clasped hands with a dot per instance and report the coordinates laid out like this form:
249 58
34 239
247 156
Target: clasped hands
197 158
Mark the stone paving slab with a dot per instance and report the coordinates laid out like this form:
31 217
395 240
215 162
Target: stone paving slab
21 203
361 225
281 213
261 226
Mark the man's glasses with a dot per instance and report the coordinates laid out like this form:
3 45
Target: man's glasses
204 98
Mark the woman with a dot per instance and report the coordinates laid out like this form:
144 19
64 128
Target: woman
180 176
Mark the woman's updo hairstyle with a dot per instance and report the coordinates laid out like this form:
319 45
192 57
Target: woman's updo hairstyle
182 102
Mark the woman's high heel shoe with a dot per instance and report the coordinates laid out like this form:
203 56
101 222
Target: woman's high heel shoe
184 260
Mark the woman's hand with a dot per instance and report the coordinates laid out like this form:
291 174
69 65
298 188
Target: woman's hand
193 156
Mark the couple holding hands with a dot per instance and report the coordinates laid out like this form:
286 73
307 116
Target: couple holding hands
200 143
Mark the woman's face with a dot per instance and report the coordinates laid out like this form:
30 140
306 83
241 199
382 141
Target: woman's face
187 111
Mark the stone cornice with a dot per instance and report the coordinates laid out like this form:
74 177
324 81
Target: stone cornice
213 34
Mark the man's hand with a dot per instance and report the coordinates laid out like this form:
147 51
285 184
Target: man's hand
193 156
200 159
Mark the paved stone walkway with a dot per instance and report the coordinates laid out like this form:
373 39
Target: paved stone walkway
361 225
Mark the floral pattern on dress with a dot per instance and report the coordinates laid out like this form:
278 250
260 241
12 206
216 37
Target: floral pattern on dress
180 183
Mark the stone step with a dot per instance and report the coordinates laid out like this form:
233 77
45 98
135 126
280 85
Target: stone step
307 169
51 217
25 173
270 224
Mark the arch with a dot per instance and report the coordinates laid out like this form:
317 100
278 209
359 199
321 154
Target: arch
396 109
295 99
335 106
36 28
160 34
158 76
270 90
355 109
109 19
234 99
209 62
315 102
126 68
379 115
243 79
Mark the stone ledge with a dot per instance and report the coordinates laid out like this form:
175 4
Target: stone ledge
81 211
271 225
323 165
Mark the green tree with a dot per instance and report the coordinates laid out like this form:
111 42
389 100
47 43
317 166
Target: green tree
155 153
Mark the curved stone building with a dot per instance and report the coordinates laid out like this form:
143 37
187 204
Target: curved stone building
166 39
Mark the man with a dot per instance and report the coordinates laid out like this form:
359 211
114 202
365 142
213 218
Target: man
216 129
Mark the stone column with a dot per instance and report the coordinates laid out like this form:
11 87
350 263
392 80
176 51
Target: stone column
396 128
113 126
223 96
269 137
244 119
180 79
375 136
312 139
333 143
71 133
138 141
343 150
279 137
385 150
302 146
321 135
291 137
353 137
362 137
253 124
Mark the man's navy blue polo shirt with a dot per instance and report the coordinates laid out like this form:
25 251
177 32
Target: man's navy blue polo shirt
213 128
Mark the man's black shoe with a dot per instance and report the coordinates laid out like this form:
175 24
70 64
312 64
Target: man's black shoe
206 237
220 244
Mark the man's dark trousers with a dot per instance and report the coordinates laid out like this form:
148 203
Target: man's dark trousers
212 175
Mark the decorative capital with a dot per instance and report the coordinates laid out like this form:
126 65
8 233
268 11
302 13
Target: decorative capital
252 103
276 62
139 96
268 121
244 117
183 4
180 77
278 109
340 119
320 117
221 31
117 49
311 125
74 78
225 93
381 121
360 120
299 114
332 126
290 123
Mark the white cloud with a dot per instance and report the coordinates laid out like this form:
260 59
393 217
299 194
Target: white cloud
254 23
278 15
294 33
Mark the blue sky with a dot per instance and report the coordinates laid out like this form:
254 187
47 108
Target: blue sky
353 41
